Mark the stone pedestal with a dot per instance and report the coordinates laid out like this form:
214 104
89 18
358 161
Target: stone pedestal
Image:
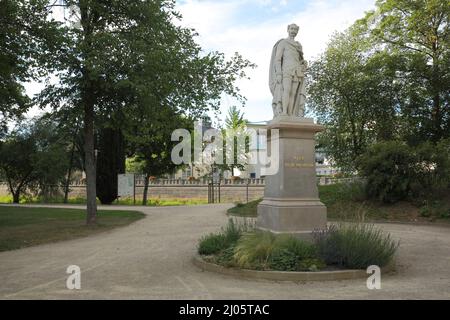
291 201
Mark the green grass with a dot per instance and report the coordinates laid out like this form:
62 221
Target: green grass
355 246
26 226
245 210
347 202
129 202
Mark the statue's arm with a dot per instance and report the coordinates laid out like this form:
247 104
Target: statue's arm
279 59
301 52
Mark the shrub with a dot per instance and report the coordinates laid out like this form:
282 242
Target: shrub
254 249
311 264
264 250
355 246
284 260
301 249
226 257
434 209
212 244
389 169
227 237
233 232
396 171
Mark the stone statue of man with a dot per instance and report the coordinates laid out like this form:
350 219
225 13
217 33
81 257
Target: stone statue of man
287 76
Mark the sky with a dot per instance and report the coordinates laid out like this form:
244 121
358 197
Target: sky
251 28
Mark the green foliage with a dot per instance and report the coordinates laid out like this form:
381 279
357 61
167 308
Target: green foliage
226 257
212 243
245 210
291 254
355 246
264 250
254 249
226 238
435 209
351 92
284 260
389 169
311 264
28 226
301 249
123 61
27 40
34 157
396 171
235 141
385 78
417 33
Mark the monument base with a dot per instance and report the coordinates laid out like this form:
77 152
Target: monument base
291 202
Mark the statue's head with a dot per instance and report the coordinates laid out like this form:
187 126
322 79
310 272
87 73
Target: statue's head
293 29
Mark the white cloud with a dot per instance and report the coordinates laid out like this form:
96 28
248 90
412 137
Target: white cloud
219 30
221 27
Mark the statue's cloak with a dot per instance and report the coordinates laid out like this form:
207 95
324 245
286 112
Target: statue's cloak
277 88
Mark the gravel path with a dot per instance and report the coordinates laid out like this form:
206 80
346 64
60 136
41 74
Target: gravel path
151 259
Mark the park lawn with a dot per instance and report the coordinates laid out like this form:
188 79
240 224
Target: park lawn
347 203
22 227
245 210
153 202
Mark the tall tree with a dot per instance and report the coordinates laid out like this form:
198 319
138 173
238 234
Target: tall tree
34 156
129 54
353 92
418 33
234 155
149 140
27 37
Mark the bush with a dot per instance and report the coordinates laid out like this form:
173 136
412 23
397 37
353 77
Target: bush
389 169
264 250
355 246
284 260
301 249
226 257
212 244
311 264
396 171
254 249
435 209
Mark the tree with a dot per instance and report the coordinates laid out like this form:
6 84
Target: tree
149 140
352 91
128 55
26 38
33 157
418 33
234 156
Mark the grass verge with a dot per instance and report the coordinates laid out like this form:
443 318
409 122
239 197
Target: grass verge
25 226
153 202
347 202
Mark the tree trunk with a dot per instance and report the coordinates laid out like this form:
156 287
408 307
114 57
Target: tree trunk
16 197
91 188
145 196
69 173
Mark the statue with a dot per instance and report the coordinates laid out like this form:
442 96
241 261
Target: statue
287 76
